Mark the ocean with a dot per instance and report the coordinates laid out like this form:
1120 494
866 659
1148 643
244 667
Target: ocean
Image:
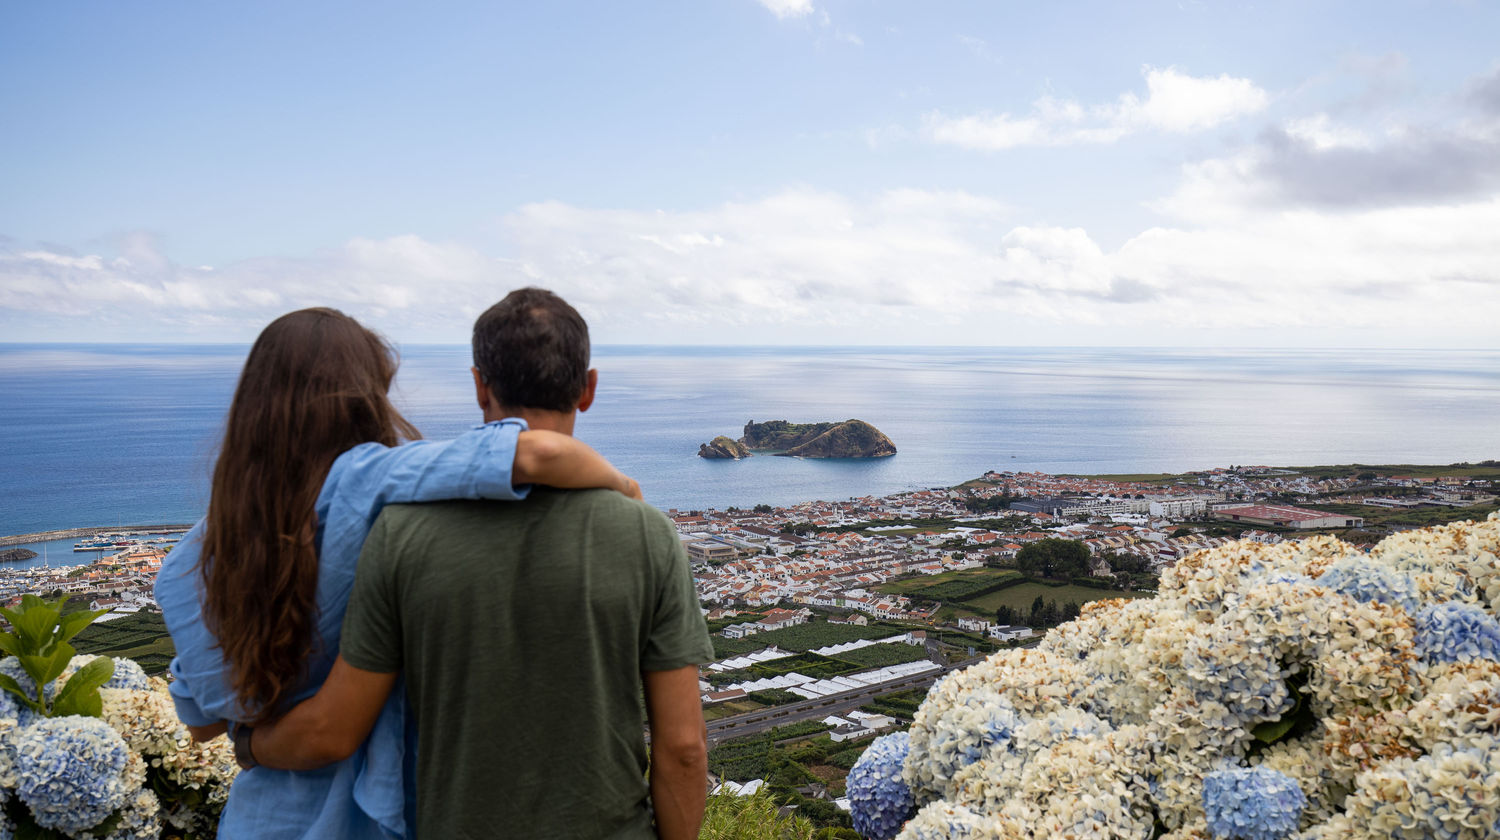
122 434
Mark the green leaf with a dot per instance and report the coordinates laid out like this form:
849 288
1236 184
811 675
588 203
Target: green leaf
10 644
1300 715
80 694
9 683
1273 730
34 624
44 668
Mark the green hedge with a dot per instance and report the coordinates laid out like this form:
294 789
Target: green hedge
775 697
1095 582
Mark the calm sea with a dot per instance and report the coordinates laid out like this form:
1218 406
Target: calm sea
109 434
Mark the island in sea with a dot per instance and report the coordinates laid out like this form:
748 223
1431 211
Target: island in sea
846 439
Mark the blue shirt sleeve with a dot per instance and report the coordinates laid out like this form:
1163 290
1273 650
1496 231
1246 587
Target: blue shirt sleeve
474 465
188 710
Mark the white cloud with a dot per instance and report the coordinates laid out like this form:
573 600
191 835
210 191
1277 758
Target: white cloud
1315 163
1179 103
784 9
1175 103
807 266
1322 133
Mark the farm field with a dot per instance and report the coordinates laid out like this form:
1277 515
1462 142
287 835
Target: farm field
140 636
729 708
1021 596
879 656
948 586
1414 518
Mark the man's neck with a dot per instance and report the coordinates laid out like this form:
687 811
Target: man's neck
536 418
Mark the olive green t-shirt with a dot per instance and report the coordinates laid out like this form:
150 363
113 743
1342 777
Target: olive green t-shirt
523 629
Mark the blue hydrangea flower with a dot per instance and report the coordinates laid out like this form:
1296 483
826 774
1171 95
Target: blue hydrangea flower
10 705
1282 577
11 667
1365 581
1455 632
1252 803
128 675
879 801
71 772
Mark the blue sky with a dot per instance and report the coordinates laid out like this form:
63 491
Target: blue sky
758 171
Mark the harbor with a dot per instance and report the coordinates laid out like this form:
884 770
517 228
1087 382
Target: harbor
137 533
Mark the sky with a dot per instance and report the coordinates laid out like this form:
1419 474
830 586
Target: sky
1311 173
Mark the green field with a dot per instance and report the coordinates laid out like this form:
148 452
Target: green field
729 708
1483 470
140 636
1414 518
948 586
879 656
1021 596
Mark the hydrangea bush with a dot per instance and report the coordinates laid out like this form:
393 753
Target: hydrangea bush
1306 690
90 747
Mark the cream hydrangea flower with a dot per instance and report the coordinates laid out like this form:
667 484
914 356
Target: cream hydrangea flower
1300 658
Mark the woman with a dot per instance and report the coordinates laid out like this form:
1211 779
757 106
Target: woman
254 596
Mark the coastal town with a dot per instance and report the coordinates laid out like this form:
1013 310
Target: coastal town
833 555
830 619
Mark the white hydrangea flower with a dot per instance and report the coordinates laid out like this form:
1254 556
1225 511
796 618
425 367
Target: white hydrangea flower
1113 722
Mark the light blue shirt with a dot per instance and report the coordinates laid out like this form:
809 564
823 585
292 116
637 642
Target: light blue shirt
362 796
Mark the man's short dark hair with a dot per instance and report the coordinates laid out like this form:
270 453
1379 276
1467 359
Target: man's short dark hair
532 350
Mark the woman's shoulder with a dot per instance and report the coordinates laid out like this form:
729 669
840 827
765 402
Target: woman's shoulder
178 577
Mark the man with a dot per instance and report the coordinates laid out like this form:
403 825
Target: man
526 631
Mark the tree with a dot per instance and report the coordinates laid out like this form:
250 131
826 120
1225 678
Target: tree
1006 615
1128 563
762 508
1054 558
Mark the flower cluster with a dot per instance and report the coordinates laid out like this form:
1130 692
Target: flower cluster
880 799
120 776
1303 690
73 772
1457 633
1252 803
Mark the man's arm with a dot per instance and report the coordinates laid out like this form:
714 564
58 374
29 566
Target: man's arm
679 752
559 460
208 733
327 727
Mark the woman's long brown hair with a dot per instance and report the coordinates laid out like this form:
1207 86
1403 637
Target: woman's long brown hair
313 386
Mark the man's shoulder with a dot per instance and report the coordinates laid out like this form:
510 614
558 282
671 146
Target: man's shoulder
603 508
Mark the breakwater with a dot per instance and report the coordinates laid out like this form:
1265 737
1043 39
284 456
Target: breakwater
73 533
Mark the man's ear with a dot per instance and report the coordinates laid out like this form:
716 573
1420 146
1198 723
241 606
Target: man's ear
482 391
588 390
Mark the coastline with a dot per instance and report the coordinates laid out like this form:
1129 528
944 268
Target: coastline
92 531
